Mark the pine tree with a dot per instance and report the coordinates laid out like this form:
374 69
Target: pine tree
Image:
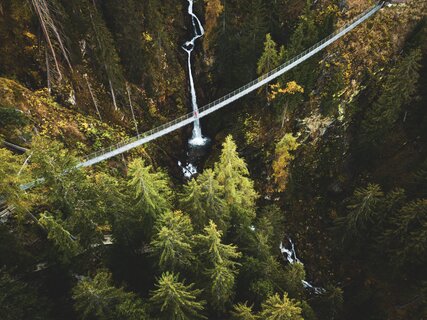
221 267
98 298
175 300
270 58
283 158
277 308
151 191
172 242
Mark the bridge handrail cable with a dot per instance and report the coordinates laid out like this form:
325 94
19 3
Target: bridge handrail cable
356 20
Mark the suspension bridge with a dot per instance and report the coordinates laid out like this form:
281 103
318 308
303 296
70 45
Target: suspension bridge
188 118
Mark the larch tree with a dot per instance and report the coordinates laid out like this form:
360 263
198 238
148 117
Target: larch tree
172 242
281 308
220 265
283 158
232 174
175 300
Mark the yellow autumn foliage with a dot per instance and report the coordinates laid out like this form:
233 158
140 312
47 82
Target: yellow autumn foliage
283 158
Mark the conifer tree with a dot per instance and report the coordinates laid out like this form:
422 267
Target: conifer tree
277 308
63 182
151 190
270 58
221 267
363 209
98 298
175 300
203 199
397 91
406 237
172 242
232 174
242 311
12 176
62 238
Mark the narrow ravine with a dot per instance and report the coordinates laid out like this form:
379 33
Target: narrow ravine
197 139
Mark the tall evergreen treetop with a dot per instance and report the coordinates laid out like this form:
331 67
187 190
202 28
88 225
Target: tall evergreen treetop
232 172
175 300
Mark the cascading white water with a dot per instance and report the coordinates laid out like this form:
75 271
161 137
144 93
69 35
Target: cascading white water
292 258
197 138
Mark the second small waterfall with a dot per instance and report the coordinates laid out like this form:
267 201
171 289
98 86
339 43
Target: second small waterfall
197 139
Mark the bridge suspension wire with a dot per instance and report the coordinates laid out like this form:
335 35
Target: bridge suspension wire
188 118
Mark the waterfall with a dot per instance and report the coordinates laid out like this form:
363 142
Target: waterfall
197 138
291 257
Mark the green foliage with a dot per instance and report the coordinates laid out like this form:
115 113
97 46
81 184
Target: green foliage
175 300
203 199
12 117
12 176
363 209
232 172
277 308
19 300
57 166
151 190
62 238
98 298
270 58
407 235
172 242
397 90
221 267
242 311
294 274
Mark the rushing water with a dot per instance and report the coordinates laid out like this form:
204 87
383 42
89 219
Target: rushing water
197 139
292 258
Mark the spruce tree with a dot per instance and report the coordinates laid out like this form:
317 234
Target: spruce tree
98 298
12 175
220 263
151 191
271 57
67 245
242 311
232 174
277 308
363 209
175 300
397 91
172 241
203 199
